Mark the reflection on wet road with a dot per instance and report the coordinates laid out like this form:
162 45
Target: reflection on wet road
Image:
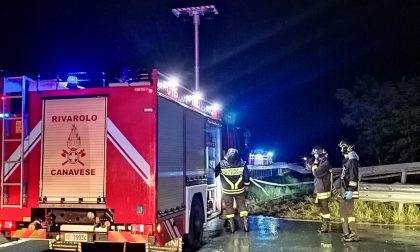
271 234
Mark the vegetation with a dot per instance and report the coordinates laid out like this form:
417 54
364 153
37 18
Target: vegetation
257 195
387 117
369 212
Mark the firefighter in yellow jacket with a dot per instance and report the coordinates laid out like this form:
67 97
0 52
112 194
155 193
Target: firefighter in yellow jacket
234 177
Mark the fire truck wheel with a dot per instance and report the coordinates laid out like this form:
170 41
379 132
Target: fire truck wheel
195 235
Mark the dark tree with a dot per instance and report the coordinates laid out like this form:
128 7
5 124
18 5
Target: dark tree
387 117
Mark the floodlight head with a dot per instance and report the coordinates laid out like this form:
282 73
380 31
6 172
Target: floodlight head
198 10
216 106
198 96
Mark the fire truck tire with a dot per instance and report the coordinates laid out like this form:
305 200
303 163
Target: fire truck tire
194 237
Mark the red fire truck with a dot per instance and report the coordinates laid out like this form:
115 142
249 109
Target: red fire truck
125 162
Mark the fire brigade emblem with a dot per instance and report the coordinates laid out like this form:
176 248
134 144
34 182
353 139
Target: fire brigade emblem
73 154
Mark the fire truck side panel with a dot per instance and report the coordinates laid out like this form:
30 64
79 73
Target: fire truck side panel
171 152
130 186
34 155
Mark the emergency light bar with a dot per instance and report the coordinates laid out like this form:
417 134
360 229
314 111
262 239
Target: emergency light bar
171 89
195 10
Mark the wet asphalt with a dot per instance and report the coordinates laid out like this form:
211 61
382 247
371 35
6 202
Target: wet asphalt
269 234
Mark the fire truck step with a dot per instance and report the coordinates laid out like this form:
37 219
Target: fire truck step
13 140
11 97
11 184
11 206
12 118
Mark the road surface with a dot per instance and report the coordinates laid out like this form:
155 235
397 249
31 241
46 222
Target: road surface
269 234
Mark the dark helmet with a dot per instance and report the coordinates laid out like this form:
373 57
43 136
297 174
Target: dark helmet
319 150
346 146
232 156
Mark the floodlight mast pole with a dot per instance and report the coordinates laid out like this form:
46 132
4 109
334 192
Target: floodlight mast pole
196 22
196 12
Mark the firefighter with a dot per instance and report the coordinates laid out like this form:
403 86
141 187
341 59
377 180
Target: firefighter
346 188
234 177
321 169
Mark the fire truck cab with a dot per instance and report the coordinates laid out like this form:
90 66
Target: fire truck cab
127 161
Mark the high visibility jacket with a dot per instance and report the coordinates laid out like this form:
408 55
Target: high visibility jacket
234 177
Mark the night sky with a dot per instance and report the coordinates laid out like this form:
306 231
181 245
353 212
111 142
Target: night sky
276 65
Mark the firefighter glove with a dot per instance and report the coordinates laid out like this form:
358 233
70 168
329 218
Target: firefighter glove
349 195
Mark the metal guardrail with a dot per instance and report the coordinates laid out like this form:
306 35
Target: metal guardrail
386 171
401 193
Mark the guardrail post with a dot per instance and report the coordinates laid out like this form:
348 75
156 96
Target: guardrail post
403 176
400 207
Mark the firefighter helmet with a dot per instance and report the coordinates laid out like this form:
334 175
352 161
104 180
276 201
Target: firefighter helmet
319 150
346 147
232 156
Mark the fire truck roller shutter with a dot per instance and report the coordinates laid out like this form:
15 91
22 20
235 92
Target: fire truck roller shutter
195 145
74 149
170 165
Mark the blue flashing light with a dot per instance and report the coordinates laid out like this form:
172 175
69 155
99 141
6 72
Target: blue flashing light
4 115
231 118
71 79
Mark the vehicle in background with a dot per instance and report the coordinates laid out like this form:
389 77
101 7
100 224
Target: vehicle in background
259 157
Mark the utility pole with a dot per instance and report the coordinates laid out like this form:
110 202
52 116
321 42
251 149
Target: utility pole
196 12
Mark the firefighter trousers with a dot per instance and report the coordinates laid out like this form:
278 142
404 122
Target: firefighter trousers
322 199
240 204
347 216
324 209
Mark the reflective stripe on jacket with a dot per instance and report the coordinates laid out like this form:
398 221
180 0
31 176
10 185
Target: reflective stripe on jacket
233 176
232 180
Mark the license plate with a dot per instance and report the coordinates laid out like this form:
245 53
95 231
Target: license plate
75 237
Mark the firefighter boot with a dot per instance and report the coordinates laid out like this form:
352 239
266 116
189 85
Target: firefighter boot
325 226
230 225
245 219
352 237
346 228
